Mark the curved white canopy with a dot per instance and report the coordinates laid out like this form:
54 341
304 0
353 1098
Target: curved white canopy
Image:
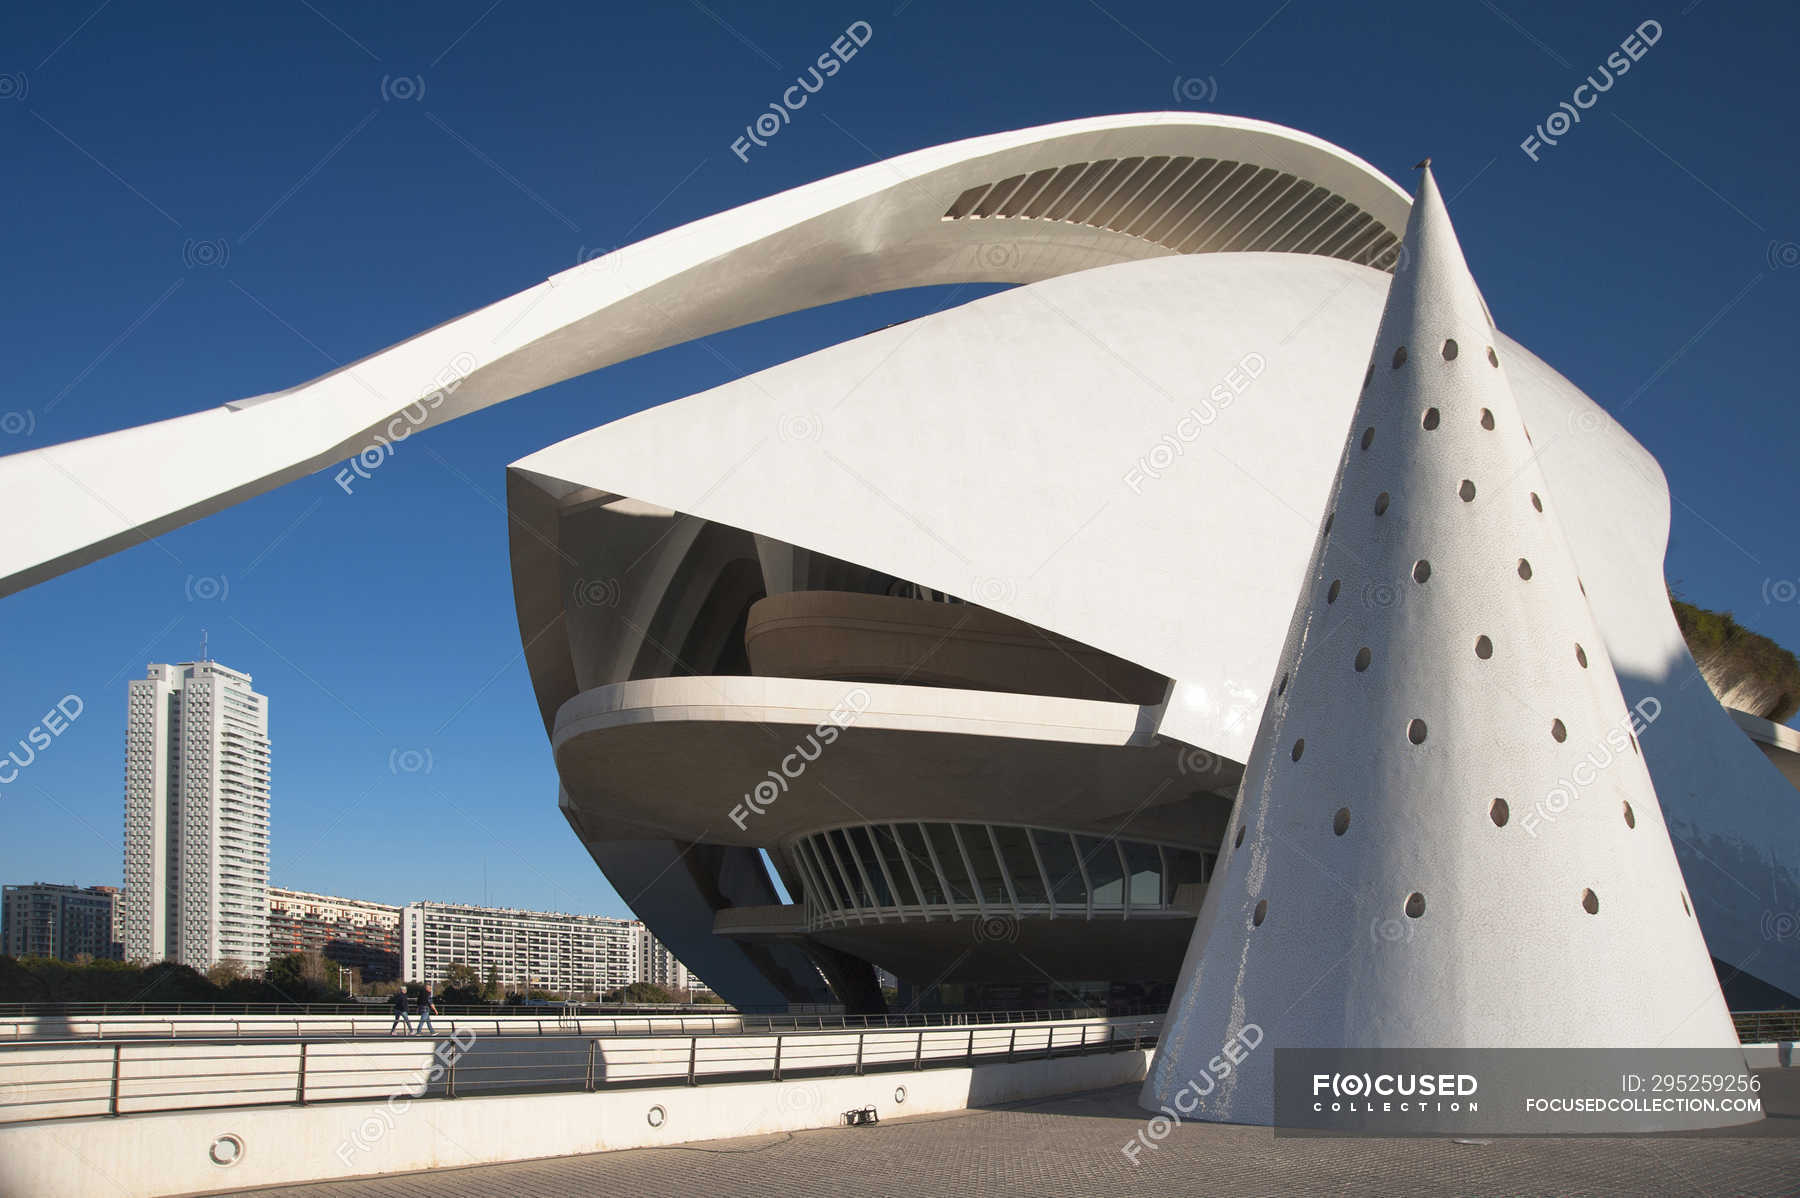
1063 453
1148 185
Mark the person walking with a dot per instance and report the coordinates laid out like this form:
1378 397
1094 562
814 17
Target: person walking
425 1010
401 1008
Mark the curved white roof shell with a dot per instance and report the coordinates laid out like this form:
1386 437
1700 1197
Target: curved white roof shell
1006 451
1102 190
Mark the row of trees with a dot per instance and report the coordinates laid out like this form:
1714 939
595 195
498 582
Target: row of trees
294 978
44 980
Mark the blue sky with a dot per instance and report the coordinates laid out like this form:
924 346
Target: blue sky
205 202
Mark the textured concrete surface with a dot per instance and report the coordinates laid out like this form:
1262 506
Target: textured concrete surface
1071 1145
1425 910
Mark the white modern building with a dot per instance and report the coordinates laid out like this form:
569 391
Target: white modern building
969 624
44 919
524 950
197 817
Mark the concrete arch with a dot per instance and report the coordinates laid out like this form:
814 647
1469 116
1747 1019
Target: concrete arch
914 220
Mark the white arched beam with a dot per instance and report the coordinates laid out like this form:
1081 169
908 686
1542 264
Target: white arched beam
931 217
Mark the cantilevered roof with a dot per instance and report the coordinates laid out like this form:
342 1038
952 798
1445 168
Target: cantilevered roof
1012 207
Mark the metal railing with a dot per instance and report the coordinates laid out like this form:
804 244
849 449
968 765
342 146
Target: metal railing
77 1022
89 1010
377 1021
69 1080
1760 1027
801 1022
363 1026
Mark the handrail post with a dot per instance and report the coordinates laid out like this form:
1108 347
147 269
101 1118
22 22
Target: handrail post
450 1077
777 1058
693 1053
971 1047
113 1106
592 1045
300 1079
919 1051
1012 1038
1084 1032
859 1052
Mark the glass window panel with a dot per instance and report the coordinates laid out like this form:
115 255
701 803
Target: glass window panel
1015 847
1108 877
943 842
801 866
891 856
987 865
1185 866
833 894
1059 863
859 894
912 842
815 886
1146 875
871 863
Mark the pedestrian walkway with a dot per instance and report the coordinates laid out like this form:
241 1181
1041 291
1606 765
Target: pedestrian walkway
1071 1145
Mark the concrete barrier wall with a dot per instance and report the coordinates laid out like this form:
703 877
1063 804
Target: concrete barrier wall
65 1080
149 1156
52 1080
1778 1054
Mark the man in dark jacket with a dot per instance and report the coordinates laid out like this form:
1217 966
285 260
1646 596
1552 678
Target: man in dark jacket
401 1008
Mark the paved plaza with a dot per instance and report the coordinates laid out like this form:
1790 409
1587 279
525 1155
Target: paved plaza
1071 1145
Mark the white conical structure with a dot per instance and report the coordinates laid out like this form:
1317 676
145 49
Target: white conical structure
1445 837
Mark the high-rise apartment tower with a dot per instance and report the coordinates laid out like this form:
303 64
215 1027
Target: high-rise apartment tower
197 817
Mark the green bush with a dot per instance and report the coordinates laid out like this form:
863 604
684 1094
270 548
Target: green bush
38 979
640 992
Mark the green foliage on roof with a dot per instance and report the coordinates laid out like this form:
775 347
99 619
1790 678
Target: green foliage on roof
1745 669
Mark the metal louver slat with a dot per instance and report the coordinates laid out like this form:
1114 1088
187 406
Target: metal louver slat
1189 206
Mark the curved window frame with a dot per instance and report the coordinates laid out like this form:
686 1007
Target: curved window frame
836 887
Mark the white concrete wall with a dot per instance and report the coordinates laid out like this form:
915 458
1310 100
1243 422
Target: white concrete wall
151 1155
1778 1054
67 1080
